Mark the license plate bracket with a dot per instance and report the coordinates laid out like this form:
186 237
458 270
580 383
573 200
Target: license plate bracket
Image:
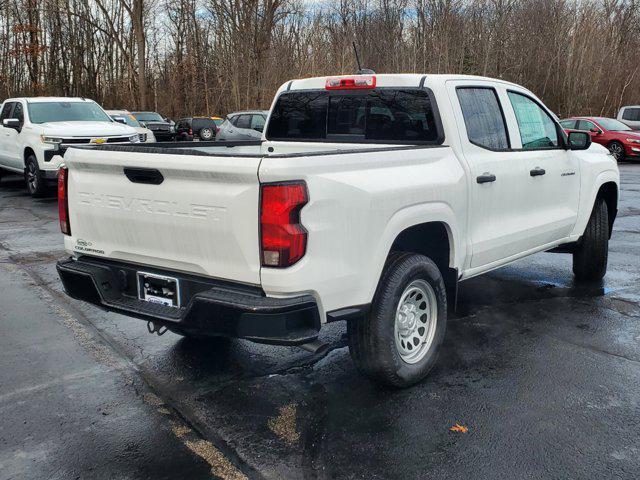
160 289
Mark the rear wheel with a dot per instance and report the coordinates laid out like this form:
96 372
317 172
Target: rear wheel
591 254
617 150
398 342
206 134
33 177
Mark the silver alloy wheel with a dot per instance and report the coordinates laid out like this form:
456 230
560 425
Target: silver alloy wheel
32 177
416 321
617 151
206 133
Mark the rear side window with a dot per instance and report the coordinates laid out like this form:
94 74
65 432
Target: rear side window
632 114
382 115
483 118
568 124
6 111
585 125
537 129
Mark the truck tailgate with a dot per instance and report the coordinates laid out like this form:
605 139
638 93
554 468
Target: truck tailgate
201 218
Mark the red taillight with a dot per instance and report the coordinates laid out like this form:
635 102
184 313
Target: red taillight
283 239
63 200
190 131
351 83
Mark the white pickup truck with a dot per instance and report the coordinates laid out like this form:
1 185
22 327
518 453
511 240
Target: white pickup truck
35 131
368 198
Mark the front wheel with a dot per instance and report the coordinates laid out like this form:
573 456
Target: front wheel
33 177
591 254
398 342
617 150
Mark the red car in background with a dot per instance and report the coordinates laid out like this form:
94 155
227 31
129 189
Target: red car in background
621 140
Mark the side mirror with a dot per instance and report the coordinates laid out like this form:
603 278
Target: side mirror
579 140
597 131
11 123
120 120
259 129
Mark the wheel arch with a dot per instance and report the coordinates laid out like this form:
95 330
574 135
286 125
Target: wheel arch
28 151
608 192
427 229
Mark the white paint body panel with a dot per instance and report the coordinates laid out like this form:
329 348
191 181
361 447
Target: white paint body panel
359 202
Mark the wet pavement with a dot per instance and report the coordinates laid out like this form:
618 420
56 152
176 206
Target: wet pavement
545 376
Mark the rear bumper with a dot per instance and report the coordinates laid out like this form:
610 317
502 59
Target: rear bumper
210 307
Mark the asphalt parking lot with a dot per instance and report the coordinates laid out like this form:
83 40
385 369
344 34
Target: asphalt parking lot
544 375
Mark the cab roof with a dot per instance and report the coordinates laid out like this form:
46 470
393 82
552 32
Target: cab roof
390 80
49 99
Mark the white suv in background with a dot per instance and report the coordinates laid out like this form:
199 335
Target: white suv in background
35 130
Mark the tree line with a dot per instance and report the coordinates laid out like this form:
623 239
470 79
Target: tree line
207 57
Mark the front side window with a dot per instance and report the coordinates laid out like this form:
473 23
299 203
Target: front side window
537 128
6 111
483 117
45 112
392 115
18 112
631 114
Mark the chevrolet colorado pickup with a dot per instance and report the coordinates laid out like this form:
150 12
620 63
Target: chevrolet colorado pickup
35 131
368 199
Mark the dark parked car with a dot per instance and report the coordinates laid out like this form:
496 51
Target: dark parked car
203 128
162 129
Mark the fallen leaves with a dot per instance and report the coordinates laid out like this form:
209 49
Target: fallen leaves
459 428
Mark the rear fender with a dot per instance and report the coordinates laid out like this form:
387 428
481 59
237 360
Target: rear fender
412 216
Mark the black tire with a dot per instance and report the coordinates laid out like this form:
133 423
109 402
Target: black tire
34 178
372 339
617 150
206 134
592 251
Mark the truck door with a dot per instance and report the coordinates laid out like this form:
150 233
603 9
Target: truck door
496 202
551 186
7 137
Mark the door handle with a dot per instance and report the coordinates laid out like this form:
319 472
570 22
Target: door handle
536 172
486 178
150 176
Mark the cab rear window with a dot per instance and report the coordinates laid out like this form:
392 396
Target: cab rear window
379 115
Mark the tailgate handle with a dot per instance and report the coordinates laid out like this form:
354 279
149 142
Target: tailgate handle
150 176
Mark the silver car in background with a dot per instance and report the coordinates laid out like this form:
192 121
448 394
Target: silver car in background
247 125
